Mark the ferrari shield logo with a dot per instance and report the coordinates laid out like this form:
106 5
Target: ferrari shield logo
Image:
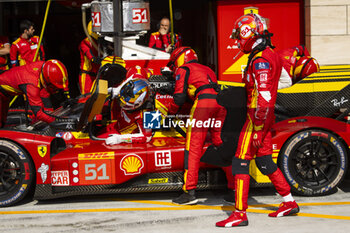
42 150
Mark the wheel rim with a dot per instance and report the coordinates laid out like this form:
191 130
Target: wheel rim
10 173
315 163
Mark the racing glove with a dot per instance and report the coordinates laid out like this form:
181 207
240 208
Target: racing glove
257 139
127 138
117 139
64 124
258 136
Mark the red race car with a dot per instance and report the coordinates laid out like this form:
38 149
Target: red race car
311 144
56 164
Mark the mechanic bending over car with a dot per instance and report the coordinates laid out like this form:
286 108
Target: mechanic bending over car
130 100
297 65
198 82
36 81
261 78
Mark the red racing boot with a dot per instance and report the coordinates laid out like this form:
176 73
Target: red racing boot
285 209
236 219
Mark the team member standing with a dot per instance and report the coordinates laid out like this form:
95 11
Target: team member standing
161 39
297 64
200 84
35 80
4 52
24 48
261 81
90 62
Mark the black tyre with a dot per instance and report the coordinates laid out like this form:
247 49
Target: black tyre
16 173
314 162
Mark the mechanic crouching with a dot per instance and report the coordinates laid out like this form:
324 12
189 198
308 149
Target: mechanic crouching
36 81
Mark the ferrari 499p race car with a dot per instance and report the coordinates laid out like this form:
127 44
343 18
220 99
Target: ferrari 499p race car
311 145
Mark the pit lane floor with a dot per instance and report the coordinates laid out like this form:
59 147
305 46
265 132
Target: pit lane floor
154 212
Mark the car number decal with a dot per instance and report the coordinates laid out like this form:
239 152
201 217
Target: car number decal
95 168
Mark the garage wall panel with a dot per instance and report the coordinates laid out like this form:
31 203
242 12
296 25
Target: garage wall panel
331 50
327 31
327 2
329 20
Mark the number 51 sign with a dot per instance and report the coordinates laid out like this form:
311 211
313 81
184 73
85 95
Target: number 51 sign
136 16
139 15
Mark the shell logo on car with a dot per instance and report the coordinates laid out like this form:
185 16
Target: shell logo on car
131 164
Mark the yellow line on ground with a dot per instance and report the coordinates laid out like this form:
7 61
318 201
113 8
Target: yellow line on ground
310 215
144 201
258 205
252 210
323 216
196 207
179 207
102 210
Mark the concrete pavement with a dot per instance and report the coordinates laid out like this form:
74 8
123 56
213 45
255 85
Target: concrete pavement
154 212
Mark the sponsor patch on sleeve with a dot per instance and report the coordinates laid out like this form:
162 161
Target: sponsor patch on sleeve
263 77
177 77
262 66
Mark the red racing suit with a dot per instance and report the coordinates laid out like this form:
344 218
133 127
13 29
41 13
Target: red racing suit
4 58
160 42
289 57
128 123
23 51
261 82
198 82
88 68
24 80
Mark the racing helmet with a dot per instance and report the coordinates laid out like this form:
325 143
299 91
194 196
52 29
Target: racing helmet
134 94
139 72
91 33
304 67
54 76
181 56
247 29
